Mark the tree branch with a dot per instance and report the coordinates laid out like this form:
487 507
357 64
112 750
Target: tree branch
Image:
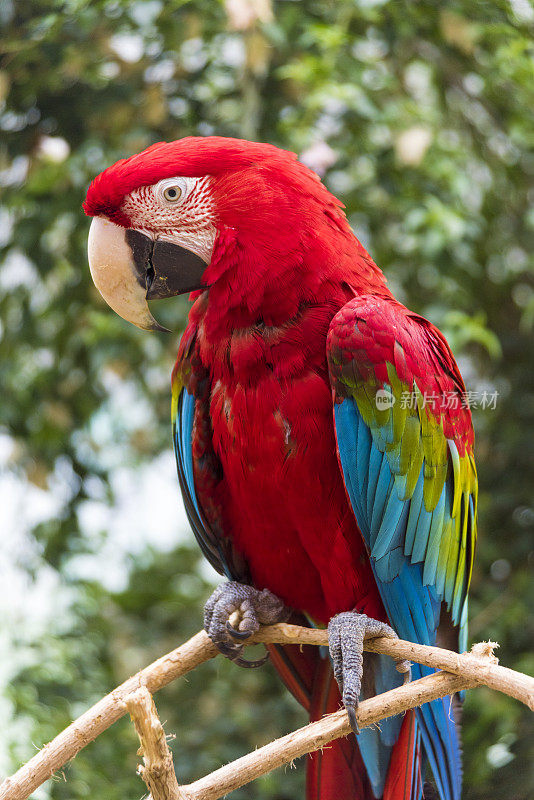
475 668
317 734
479 665
157 769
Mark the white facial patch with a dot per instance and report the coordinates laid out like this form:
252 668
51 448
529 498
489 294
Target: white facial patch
179 210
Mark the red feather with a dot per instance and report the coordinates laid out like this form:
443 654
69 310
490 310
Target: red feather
404 775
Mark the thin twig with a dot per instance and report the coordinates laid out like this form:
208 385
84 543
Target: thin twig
157 769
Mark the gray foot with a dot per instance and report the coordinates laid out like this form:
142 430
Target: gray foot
346 633
234 612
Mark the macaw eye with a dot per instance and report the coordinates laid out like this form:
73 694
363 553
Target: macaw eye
172 193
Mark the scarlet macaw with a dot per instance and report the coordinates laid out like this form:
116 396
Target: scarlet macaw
324 453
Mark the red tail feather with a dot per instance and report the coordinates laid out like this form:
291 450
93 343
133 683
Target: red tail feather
404 773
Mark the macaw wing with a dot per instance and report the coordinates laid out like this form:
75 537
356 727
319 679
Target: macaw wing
182 434
199 472
405 444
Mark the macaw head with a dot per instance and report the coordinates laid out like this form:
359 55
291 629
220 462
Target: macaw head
165 218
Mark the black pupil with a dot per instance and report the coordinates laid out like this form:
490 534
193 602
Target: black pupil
171 193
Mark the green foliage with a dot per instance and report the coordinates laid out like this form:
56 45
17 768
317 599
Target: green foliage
428 114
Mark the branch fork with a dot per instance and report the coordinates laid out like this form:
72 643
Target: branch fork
157 769
457 671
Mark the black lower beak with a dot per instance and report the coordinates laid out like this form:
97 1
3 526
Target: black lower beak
164 269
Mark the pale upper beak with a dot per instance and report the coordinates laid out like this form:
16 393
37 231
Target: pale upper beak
128 268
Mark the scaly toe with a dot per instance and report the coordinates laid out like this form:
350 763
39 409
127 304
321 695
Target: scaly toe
346 634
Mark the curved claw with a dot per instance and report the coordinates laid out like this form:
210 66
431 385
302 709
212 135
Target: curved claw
407 673
228 650
244 662
236 633
353 719
234 655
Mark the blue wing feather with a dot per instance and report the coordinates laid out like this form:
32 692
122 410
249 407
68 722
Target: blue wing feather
183 449
416 504
184 442
399 533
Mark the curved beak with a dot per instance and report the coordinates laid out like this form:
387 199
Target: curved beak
129 268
